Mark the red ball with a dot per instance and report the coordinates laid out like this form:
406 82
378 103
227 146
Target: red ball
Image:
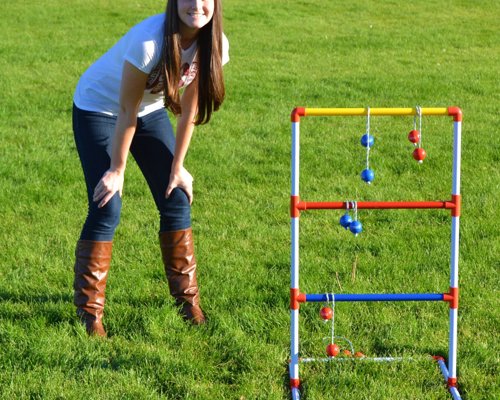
359 354
332 350
419 154
414 136
326 313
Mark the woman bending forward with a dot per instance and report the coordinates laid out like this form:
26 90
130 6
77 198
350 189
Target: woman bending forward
172 60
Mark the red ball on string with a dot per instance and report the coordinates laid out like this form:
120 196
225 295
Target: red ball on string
326 313
414 136
332 350
419 154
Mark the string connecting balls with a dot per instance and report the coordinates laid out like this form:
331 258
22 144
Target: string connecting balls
367 140
332 349
348 222
355 226
415 136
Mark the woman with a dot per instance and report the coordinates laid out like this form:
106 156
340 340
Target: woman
172 60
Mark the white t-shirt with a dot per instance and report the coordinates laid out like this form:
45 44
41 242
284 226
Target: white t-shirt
99 87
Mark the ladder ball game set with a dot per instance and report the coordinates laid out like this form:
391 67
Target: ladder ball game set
350 222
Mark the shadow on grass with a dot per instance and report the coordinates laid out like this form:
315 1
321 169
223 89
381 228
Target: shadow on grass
35 298
428 351
19 307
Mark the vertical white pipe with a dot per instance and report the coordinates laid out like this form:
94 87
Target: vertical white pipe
457 145
294 273
294 314
455 238
455 241
457 155
295 157
294 345
452 355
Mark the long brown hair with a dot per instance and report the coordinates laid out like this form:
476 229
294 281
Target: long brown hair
209 77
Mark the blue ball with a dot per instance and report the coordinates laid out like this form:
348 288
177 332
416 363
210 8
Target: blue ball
356 227
367 140
345 220
368 175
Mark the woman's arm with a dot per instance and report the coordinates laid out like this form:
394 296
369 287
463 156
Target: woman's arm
179 177
131 92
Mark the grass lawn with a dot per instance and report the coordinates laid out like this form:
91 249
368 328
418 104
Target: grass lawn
283 54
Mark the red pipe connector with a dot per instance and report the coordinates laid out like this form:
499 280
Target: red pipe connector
294 206
297 113
294 383
452 297
295 298
456 113
452 382
457 200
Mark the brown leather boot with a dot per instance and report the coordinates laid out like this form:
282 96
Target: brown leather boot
91 274
177 250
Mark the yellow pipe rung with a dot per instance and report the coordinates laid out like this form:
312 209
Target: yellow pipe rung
317 112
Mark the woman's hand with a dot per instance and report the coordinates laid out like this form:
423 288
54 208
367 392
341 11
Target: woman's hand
110 183
183 180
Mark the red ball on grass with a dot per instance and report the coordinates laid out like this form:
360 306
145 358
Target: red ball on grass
332 350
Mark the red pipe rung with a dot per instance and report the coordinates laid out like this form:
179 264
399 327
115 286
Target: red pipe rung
324 205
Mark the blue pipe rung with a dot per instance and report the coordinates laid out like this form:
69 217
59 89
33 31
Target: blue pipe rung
374 297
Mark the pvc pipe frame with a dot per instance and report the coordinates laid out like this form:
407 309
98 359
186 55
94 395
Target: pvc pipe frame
449 372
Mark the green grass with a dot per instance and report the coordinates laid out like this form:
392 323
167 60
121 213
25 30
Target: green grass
283 54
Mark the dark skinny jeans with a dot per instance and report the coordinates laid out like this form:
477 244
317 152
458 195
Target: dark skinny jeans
152 148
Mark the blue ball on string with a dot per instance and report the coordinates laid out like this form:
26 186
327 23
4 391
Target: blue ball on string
368 175
356 227
345 220
367 140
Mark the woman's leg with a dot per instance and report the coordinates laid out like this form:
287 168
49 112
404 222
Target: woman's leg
93 133
152 148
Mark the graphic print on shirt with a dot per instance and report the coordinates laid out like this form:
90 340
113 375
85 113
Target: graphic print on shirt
188 73
155 79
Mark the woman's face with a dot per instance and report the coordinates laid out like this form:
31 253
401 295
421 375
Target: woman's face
195 14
